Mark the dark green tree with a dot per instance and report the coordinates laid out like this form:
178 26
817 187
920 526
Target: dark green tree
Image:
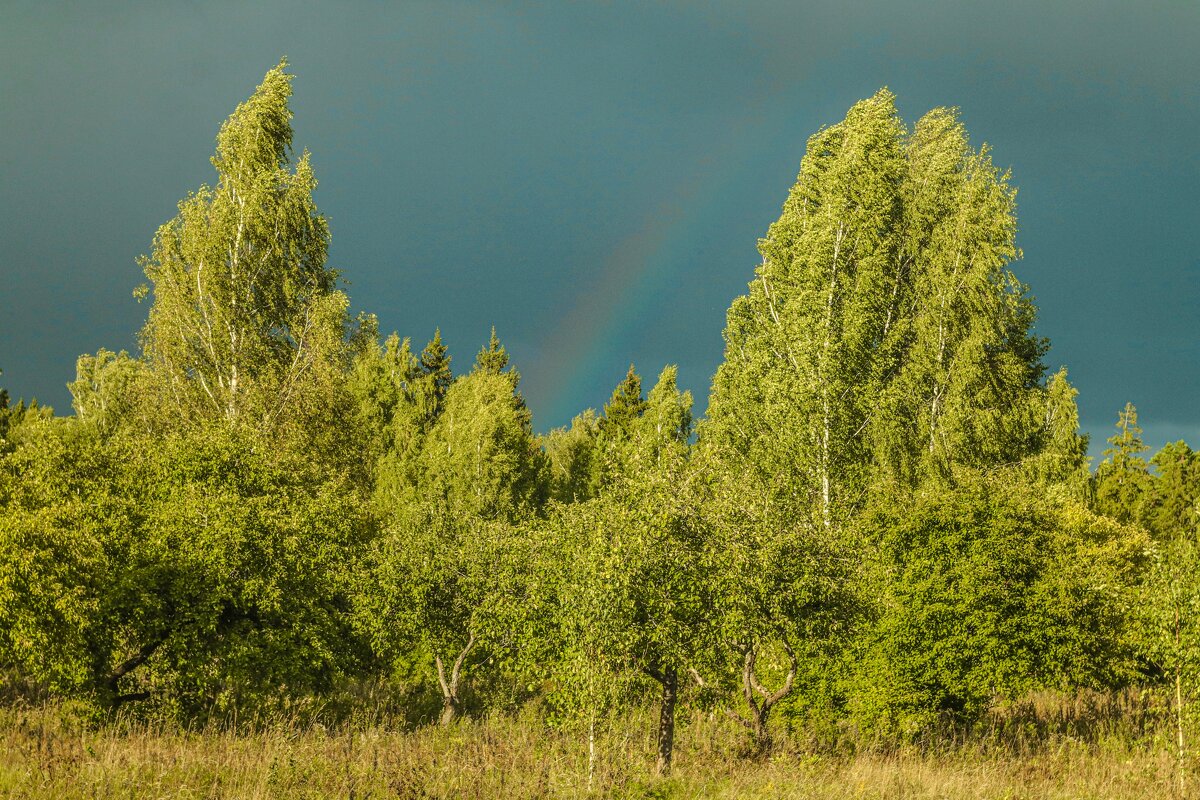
624 407
493 358
991 589
1123 480
1172 509
435 364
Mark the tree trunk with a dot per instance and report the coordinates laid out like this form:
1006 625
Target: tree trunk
591 752
449 684
760 710
759 729
449 710
112 682
666 720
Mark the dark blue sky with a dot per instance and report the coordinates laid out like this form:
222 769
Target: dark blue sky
592 178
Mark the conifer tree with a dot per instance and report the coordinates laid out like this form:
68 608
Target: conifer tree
435 364
625 406
493 358
4 413
1123 478
1173 508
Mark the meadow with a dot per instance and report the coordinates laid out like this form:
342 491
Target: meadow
1089 745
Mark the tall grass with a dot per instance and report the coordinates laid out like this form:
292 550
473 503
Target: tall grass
1088 745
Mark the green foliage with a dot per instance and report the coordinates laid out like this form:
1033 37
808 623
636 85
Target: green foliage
438 583
1062 458
796 387
990 590
381 381
199 574
574 458
12 415
1123 478
5 413
882 520
493 358
244 309
189 537
884 338
962 382
1171 510
624 407
435 363
627 584
109 390
53 569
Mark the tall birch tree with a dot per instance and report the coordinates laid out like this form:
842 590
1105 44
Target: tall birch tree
795 393
244 308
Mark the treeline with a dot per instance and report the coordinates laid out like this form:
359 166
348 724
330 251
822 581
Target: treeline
886 520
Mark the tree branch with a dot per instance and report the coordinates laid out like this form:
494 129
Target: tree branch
132 663
454 673
441 675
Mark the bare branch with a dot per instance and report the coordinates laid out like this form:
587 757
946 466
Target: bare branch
454 673
441 674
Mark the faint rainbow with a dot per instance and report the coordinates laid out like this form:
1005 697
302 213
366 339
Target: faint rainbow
642 265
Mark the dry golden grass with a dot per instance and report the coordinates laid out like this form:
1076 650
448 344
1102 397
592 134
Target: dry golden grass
45 753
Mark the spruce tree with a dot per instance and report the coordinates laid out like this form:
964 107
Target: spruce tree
1123 478
435 366
625 406
493 358
1173 508
3 414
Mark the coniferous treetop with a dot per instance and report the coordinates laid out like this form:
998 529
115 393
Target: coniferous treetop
625 405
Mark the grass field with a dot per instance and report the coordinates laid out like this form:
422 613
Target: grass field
46 753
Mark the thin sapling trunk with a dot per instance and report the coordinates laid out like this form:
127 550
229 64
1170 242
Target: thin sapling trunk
666 721
451 705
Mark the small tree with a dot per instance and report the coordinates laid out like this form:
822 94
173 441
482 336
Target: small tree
1123 478
1170 611
782 604
440 575
637 591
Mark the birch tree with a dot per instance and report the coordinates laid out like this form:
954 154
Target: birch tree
796 391
244 307
962 379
